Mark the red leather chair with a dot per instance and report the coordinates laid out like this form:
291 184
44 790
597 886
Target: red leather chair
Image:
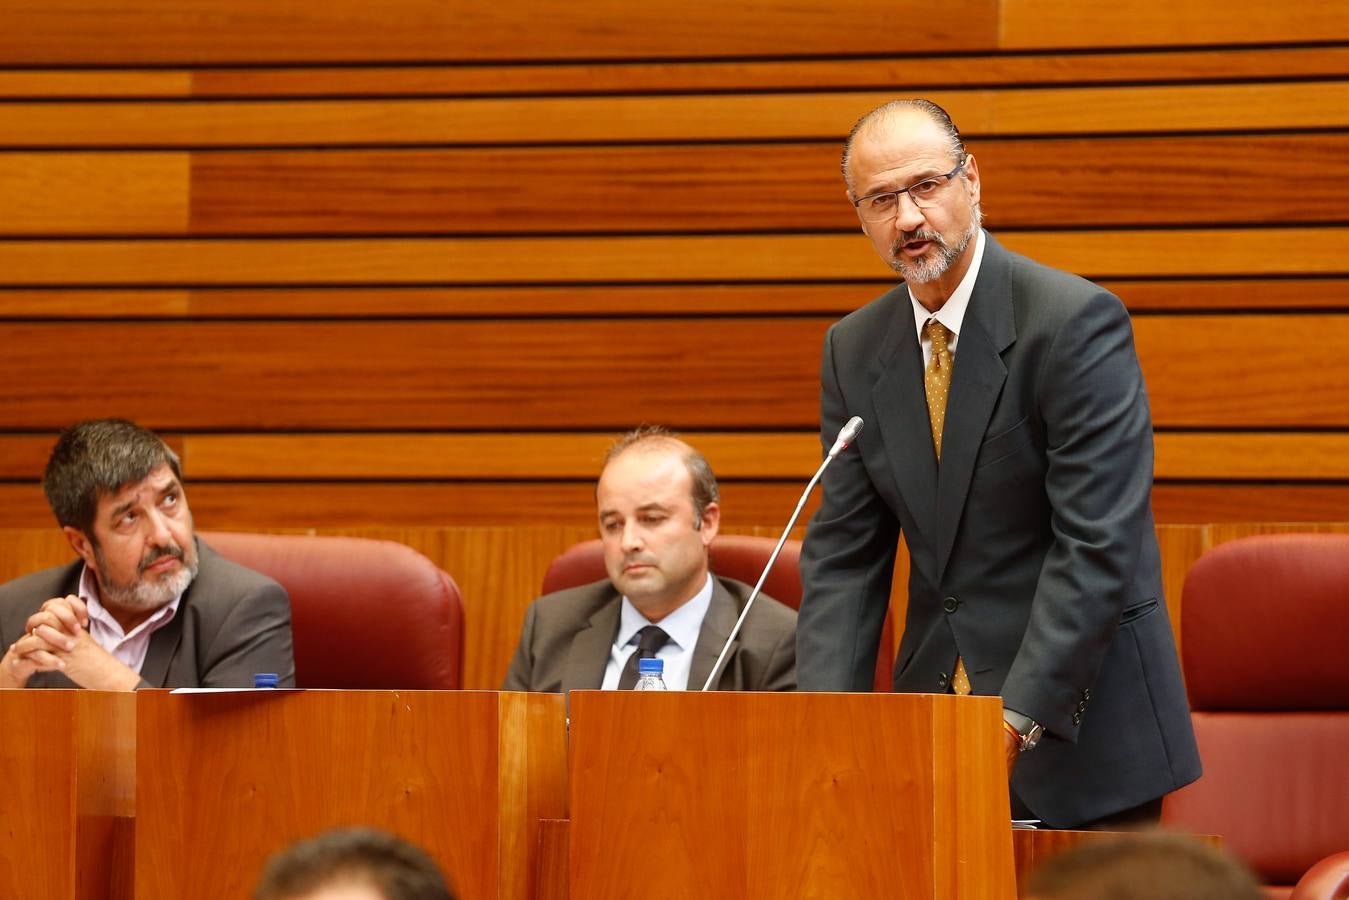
737 556
364 613
1265 649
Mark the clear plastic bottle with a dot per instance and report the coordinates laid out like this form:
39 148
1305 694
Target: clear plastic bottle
650 675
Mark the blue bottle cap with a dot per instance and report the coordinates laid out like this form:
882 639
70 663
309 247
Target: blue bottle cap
651 666
266 680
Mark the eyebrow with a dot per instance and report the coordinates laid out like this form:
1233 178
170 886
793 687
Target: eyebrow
122 508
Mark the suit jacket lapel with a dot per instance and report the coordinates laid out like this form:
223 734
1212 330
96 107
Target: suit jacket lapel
716 628
901 414
589 652
976 382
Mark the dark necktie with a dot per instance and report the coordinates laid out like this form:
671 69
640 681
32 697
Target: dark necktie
649 640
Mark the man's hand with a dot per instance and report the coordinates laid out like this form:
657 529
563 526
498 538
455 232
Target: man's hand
1011 746
56 640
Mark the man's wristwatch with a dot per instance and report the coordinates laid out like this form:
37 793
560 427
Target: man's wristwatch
1026 728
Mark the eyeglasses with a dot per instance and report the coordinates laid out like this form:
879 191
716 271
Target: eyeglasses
925 194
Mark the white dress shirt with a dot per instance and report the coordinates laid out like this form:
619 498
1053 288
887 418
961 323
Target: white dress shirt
683 626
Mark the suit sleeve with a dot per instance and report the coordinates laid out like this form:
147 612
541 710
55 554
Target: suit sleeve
254 637
519 676
847 561
780 670
1098 481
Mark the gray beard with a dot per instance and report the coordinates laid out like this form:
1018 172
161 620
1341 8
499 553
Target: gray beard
921 271
143 594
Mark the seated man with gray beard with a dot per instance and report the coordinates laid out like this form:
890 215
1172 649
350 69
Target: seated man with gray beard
146 604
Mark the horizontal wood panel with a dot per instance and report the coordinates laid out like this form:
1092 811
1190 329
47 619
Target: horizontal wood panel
1229 456
743 187
799 74
1232 371
600 77
47 32
651 259
395 302
1065 23
255 505
93 193
822 116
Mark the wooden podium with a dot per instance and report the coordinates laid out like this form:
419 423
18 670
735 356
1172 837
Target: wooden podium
739 795
226 779
68 761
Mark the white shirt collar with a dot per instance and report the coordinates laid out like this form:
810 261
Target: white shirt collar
682 625
952 312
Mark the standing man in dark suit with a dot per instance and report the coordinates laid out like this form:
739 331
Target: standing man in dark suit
146 604
1009 441
658 512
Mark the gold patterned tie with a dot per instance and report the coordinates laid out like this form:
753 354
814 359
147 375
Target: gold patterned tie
937 378
937 384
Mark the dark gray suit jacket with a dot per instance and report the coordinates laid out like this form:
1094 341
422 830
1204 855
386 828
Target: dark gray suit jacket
1034 555
232 624
566 639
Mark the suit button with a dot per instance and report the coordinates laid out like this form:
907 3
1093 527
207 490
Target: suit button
941 680
950 604
1077 718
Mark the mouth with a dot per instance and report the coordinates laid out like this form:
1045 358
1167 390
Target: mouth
915 248
637 568
162 562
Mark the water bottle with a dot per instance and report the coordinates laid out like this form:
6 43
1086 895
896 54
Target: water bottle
650 675
265 680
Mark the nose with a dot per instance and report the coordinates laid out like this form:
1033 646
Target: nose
908 215
632 538
160 535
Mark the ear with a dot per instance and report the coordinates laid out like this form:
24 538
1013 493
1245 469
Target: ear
972 175
711 523
81 544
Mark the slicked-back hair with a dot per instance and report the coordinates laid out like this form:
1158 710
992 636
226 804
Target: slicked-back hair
96 458
1154 866
955 144
395 868
705 491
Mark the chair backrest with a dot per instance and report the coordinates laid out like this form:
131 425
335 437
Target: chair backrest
364 613
1266 660
737 556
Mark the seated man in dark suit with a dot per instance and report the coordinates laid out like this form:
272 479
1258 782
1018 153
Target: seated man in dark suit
146 604
658 513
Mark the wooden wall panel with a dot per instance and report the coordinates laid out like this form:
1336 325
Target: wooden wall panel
490 301
46 32
93 193
735 455
1261 107
370 238
1064 23
645 259
738 187
914 73
1210 371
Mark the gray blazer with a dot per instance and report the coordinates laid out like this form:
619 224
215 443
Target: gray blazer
567 636
232 623
1032 546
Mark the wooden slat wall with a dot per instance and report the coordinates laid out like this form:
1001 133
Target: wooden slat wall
499 570
411 264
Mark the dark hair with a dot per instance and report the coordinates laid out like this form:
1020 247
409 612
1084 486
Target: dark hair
955 144
705 490
397 869
1144 867
96 458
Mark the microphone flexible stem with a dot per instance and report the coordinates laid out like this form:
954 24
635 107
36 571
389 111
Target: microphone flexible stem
754 594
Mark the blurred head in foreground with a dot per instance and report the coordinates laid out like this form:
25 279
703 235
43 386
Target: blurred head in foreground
352 864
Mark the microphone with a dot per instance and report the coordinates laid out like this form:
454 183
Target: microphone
846 435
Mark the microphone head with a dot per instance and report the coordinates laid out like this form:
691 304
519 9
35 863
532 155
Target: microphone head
846 435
